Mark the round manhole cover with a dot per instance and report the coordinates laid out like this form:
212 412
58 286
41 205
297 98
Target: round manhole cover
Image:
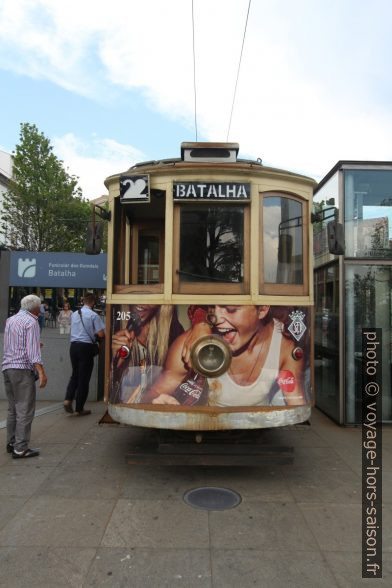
212 498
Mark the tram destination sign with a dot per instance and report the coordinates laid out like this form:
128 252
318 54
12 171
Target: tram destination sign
223 191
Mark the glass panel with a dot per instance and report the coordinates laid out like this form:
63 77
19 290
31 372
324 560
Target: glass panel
148 258
282 240
327 340
368 304
212 244
368 213
324 199
138 244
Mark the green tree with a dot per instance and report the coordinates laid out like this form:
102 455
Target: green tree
43 209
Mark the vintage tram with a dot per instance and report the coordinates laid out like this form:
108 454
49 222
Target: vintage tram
209 293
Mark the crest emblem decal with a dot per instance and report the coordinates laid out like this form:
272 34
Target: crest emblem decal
297 326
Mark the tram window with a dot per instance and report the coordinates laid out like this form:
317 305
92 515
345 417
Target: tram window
284 249
148 258
147 254
139 247
211 249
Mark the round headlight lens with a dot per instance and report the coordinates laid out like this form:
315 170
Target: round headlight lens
210 356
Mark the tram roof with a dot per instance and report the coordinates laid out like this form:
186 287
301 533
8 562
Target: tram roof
178 161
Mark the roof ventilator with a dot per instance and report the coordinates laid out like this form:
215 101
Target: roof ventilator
209 152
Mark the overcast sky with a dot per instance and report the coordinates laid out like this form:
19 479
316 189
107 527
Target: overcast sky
111 83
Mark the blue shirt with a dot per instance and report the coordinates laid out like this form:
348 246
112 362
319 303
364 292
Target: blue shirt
92 324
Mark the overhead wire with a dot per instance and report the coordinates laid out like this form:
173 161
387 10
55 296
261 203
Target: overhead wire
194 68
238 71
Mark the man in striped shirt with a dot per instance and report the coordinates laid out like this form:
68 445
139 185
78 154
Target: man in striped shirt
21 360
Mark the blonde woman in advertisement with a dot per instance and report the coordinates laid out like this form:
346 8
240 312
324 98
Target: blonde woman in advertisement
150 331
262 371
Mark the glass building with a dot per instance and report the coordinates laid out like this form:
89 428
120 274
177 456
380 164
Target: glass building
352 291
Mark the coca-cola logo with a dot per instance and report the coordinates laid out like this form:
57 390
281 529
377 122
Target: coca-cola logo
286 381
195 392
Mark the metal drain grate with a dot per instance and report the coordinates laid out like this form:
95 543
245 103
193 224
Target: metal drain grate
212 498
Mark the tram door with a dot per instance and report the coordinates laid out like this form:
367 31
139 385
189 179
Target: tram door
147 253
139 245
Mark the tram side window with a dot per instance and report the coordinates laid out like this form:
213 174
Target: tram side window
284 250
211 249
139 247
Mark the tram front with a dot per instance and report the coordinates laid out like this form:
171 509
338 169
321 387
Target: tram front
209 293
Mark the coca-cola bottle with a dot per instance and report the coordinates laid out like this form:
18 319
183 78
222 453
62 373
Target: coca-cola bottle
192 390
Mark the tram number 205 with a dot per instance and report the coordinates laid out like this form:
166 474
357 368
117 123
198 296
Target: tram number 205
123 315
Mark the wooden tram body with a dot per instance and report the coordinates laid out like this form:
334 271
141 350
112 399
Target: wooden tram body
209 255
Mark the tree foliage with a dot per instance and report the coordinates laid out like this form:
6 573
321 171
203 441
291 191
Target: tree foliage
43 209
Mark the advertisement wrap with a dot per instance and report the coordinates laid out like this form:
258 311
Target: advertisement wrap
266 348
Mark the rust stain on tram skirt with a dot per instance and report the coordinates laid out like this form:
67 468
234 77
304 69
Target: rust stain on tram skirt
208 418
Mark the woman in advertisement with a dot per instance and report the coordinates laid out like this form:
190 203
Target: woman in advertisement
263 369
150 330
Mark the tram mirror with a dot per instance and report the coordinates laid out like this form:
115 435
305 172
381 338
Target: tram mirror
335 238
94 238
285 248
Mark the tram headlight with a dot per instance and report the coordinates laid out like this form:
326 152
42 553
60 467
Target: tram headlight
210 356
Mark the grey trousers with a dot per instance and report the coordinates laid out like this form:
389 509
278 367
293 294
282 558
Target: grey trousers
21 394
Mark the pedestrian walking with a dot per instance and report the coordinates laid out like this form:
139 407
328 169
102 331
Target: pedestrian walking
22 366
64 319
41 315
86 328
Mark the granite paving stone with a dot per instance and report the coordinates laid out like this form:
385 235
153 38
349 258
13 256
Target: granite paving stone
9 507
156 523
318 457
335 526
263 525
44 567
250 568
67 429
153 482
347 569
86 454
150 568
18 479
335 486
339 526
265 484
51 521
94 482
113 433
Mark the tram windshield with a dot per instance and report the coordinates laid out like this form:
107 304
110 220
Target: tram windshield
212 244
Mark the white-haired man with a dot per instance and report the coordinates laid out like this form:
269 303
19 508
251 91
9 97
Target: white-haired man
21 361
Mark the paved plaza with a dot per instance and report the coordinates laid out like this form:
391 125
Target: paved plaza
79 515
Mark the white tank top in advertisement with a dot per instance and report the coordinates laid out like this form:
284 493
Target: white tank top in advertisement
224 391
